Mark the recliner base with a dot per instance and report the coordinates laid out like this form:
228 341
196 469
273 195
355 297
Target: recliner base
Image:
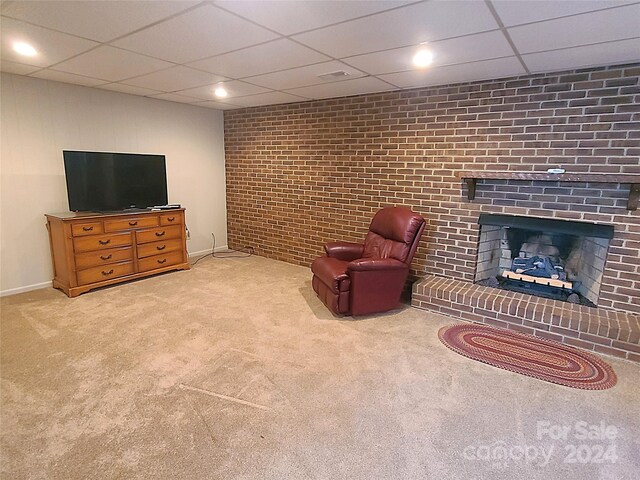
338 303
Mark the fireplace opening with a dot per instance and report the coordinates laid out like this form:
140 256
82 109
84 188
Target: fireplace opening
558 259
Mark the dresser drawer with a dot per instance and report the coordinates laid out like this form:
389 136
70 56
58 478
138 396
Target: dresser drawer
171 219
162 233
159 261
130 223
103 257
105 272
157 248
89 228
101 242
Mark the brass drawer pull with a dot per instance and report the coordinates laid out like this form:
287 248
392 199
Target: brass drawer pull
87 229
107 273
133 224
107 257
104 242
161 247
160 234
171 219
164 260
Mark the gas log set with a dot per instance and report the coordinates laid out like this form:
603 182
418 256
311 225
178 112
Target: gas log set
539 266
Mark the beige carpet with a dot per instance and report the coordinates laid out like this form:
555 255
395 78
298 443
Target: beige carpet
234 370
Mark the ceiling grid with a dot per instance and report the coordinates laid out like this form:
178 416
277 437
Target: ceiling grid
269 52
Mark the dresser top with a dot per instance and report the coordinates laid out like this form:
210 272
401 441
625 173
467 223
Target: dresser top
84 215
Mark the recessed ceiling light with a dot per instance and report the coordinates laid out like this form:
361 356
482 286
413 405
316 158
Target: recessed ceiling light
220 92
25 49
334 75
422 58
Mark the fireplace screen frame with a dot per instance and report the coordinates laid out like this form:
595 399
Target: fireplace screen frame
495 255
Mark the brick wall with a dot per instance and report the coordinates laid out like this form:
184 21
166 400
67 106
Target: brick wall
301 174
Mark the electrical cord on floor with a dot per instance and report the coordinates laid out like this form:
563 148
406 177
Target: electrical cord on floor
200 258
245 252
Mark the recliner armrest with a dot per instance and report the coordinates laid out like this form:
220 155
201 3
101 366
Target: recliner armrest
346 251
376 264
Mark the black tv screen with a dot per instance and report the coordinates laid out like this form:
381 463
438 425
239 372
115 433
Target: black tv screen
100 181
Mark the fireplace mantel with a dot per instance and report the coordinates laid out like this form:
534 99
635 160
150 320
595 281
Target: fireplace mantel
470 177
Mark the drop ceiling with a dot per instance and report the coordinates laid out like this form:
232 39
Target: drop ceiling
270 52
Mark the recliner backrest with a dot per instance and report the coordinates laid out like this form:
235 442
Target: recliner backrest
393 233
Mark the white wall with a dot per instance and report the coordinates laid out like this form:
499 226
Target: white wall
40 118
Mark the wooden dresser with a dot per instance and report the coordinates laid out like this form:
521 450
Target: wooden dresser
91 250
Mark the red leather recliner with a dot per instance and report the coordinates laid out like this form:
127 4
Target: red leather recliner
359 279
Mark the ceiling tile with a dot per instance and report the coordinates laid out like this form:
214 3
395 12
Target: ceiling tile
595 27
344 88
303 76
174 97
410 25
197 34
102 21
217 105
175 78
52 47
270 98
119 87
269 57
17 68
610 53
302 16
67 78
467 72
516 12
445 52
113 64
235 88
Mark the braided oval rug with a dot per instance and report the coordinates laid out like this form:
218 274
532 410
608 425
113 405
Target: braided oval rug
523 353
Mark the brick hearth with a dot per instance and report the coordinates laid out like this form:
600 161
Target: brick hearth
605 331
302 174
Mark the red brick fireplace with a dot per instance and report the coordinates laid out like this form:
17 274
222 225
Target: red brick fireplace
608 273
299 175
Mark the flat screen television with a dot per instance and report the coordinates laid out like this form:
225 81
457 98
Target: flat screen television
102 182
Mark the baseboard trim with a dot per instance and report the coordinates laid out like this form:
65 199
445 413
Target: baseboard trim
208 251
26 288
